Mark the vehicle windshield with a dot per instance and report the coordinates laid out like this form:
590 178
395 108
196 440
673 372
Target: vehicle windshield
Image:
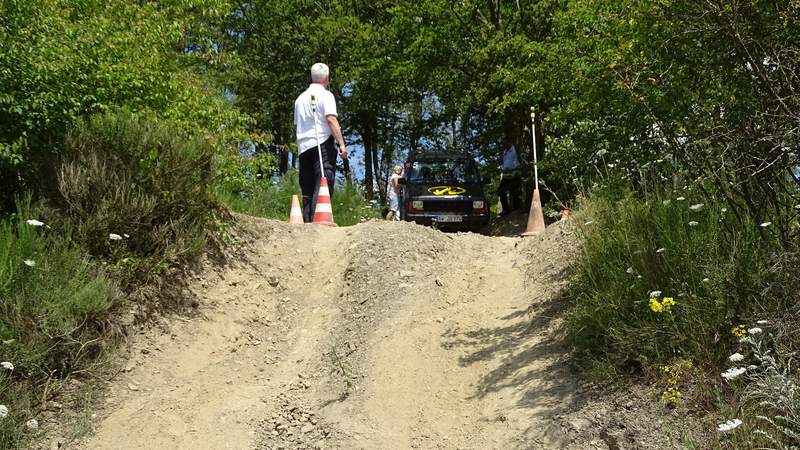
461 170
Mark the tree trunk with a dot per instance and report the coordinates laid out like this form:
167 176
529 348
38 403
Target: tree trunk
366 135
376 169
283 165
416 123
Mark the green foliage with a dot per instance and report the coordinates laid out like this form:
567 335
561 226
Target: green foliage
717 267
61 61
274 201
264 199
51 313
140 179
235 173
349 206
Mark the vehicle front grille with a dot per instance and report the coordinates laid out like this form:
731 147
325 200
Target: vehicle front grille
450 206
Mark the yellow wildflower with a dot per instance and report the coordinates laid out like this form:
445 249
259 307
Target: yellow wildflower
671 395
739 331
668 301
656 306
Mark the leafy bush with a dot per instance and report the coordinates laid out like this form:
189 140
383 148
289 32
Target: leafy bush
64 61
714 265
54 305
274 201
142 181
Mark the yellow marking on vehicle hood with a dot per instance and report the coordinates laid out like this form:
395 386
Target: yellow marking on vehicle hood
447 190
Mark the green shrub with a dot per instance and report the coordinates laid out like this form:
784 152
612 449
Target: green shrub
264 199
273 201
715 265
54 305
143 181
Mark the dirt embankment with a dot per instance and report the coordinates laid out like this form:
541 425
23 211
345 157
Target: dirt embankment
379 336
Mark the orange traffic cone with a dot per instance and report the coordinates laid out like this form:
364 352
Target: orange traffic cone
296 216
323 213
536 217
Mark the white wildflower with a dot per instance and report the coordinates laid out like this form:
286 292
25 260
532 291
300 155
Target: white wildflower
29 262
638 277
752 367
736 357
32 424
659 160
126 236
680 199
765 224
602 152
724 210
630 270
729 425
796 206
693 223
754 330
762 322
706 280
3 411
697 207
661 250
34 222
666 202
654 294
7 365
733 373
589 222
114 237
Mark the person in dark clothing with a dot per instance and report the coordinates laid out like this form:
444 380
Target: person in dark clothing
510 180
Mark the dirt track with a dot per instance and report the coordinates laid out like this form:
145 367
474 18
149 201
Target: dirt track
380 336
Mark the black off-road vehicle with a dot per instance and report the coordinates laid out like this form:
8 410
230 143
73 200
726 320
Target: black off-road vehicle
445 190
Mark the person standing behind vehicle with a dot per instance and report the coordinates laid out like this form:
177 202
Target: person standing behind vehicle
393 194
510 177
310 126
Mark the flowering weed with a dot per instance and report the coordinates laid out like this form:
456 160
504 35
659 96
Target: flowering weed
695 282
57 296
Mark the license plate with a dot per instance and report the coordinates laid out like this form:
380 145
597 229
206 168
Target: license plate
449 218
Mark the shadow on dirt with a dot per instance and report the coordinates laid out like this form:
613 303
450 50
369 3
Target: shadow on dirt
527 353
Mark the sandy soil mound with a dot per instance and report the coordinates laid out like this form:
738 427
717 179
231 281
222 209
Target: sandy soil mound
379 336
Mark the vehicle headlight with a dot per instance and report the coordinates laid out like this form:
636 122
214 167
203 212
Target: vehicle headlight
477 204
417 204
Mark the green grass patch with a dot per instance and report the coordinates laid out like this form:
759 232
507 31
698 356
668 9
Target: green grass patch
273 201
725 283
53 303
713 264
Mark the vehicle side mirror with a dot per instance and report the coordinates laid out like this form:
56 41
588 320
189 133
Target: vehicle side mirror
401 180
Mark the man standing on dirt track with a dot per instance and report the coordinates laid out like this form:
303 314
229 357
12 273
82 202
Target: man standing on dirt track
308 126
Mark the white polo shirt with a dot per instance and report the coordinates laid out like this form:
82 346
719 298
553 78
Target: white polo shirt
304 117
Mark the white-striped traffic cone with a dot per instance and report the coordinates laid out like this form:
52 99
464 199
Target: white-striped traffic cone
296 215
323 213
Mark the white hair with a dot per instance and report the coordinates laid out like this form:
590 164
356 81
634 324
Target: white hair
319 73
